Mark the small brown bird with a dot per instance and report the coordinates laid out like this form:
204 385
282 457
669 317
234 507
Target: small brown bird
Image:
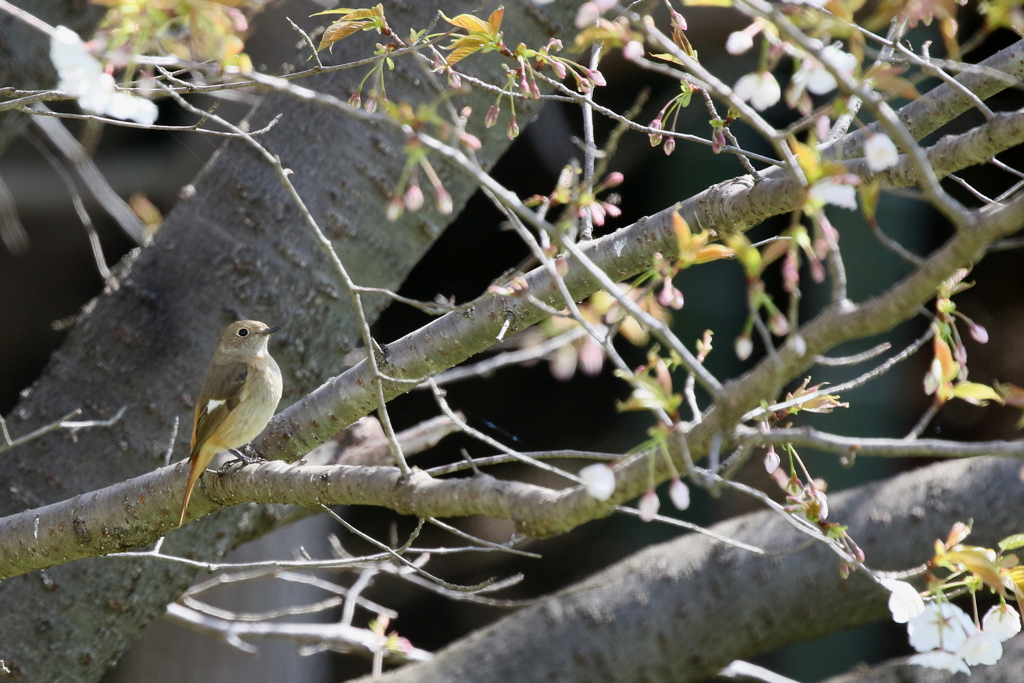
240 395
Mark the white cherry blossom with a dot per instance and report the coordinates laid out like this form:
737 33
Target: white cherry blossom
941 626
738 42
880 152
1002 621
905 602
938 659
831 192
82 76
759 88
981 648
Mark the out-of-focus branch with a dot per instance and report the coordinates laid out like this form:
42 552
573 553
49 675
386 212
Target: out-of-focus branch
337 636
849 446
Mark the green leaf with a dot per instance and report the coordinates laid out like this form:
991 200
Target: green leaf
1012 542
975 393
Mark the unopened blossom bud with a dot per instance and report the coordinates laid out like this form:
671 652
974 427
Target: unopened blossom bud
979 333
744 346
670 297
371 104
649 505
395 208
492 116
444 201
679 494
596 77
587 15
718 141
470 141
612 180
669 146
413 197
779 325
356 101
799 345
633 50
771 460
513 130
454 80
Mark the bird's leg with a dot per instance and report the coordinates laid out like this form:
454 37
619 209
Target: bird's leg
241 459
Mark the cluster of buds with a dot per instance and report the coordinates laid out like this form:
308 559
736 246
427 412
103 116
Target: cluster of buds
409 195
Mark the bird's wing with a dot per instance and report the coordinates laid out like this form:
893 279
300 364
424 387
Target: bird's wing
224 389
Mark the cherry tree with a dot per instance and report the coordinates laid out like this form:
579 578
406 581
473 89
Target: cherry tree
356 159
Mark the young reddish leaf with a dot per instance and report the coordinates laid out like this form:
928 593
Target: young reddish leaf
714 252
957 534
337 31
470 23
682 231
494 21
464 47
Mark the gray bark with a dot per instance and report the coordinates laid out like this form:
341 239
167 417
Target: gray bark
237 248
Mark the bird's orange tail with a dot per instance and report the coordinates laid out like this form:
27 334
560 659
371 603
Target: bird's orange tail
195 470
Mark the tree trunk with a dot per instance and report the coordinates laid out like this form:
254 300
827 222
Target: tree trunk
236 249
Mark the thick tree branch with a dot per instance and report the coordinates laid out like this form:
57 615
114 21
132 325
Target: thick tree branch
682 610
69 528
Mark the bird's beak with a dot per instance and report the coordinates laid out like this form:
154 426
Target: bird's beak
271 330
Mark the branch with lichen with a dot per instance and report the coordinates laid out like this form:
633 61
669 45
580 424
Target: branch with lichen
97 524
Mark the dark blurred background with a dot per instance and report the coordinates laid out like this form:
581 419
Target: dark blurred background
526 407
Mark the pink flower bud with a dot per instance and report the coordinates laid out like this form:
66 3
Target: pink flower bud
513 130
413 197
613 180
649 505
779 325
633 50
669 146
470 141
587 14
718 141
356 101
979 333
492 116
454 79
771 460
371 105
596 77
670 297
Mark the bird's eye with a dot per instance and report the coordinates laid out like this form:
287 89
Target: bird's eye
243 332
